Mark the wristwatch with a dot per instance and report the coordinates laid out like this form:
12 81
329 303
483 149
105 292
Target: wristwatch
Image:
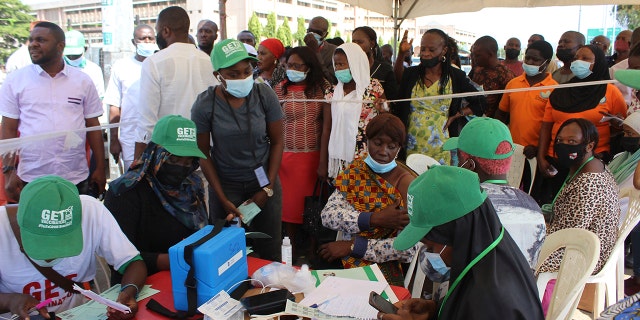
269 191
6 169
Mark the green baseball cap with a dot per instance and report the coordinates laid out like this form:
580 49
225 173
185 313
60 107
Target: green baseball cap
227 53
628 77
440 195
481 138
74 43
178 136
50 218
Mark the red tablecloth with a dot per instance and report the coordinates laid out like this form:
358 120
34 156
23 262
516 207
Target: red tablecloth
162 281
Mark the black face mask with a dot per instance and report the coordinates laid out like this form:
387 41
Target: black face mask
430 63
565 55
631 144
569 154
512 54
172 175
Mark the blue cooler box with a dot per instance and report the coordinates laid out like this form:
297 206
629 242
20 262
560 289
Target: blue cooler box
220 263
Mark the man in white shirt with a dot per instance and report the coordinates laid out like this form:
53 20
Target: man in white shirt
172 78
74 56
123 94
45 97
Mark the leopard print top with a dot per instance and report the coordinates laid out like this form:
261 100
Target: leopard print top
589 201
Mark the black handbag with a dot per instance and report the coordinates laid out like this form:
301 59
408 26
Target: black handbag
311 219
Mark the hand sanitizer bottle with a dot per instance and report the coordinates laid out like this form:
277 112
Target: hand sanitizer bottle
287 256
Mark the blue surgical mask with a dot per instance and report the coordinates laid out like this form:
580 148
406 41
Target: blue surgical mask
146 49
318 38
78 63
344 75
531 70
378 167
433 266
240 88
580 68
296 76
46 264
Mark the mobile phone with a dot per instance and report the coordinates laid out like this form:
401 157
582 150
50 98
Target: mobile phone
381 304
268 302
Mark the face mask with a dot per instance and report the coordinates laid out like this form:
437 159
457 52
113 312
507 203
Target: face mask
430 63
172 174
580 69
621 45
46 264
433 266
296 76
240 88
378 167
531 70
565 55
631 144
318 38
78 63
146 49
512 54
344 75
569 154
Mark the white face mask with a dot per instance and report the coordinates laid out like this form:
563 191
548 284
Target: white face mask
146 49
46 264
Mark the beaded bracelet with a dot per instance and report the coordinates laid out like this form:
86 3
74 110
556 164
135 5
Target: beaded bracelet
130 285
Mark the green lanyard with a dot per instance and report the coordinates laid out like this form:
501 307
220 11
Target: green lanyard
497 181
469 266
569 179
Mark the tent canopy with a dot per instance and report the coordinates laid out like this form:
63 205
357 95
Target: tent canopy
406 9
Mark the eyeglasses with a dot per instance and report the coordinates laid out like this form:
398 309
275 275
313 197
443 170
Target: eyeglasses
296 66
598 43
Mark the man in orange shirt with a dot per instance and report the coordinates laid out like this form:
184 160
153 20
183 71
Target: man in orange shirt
523 111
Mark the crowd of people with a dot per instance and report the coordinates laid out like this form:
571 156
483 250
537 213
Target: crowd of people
243 129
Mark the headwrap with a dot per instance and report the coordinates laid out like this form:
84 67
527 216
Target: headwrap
274 45
578 99
346 115
185 202
501 285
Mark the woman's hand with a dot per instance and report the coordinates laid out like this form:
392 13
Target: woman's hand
381 105
230 209
530 151
545 167
128 300
405 46
260 198
412 309
335 250
392 217
323 171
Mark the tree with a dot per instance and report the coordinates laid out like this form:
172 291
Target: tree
329 36
14 26
337 34
301 32
284 33
270 29
348 39
628 15
380 42
255 26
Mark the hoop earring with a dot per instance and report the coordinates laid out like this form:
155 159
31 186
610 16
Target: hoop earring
444 58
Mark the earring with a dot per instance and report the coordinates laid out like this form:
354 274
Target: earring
444 58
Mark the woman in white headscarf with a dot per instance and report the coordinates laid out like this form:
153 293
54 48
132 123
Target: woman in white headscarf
349 114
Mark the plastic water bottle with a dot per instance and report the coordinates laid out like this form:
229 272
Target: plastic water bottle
287 254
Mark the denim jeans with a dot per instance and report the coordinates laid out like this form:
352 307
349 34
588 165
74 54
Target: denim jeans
268 221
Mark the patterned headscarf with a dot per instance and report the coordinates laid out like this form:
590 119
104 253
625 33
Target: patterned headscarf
185 202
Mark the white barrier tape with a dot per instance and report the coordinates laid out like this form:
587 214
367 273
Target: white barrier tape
72 138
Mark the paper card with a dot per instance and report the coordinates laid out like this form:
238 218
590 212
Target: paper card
249 211
262 176
222 307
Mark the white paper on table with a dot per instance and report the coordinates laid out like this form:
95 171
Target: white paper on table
99 299
345 297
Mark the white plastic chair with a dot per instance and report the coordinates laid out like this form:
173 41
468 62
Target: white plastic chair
581 253
420 163
610 280
416 287
518 161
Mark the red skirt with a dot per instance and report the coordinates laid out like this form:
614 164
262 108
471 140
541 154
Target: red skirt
298 175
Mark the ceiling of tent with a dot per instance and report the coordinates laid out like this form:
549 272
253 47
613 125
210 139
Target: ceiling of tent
421 8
